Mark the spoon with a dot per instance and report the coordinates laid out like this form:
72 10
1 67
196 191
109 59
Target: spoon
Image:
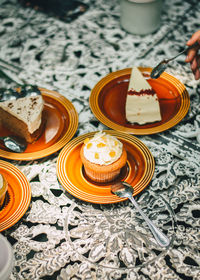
160 68
14 143
123 189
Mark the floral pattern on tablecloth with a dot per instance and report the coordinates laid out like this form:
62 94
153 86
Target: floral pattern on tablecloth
61 237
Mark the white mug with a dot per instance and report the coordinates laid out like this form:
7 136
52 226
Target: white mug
6 258
140 16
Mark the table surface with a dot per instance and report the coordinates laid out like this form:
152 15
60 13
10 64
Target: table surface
61 236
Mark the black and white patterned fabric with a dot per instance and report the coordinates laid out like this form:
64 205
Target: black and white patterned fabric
61 237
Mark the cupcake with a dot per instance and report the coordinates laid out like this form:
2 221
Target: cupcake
3 189
103 156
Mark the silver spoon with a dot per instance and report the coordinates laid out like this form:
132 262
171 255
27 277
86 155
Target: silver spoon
160 68
123 189
14 143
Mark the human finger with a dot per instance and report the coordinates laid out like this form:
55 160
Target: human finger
195 67
191 55
197 74
195 37
194 64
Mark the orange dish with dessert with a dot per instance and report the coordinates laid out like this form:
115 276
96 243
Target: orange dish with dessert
3 189
22 112
103 156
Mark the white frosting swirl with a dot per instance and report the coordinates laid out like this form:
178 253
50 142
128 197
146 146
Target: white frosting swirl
102 149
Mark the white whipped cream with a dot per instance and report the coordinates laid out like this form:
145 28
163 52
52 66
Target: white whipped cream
102 149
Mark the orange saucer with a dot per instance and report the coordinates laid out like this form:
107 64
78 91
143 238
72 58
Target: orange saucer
61 125
108 97
18 195
138 171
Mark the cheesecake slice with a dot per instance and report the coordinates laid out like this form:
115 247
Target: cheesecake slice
23 116
142 104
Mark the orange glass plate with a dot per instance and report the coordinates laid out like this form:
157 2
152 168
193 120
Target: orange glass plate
138 171
60 126
18 195
108 97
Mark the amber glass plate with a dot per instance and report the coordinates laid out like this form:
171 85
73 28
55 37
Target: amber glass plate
107 101
138 171
18 195
60 126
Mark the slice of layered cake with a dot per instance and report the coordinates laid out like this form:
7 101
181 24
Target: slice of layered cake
21 113
142 105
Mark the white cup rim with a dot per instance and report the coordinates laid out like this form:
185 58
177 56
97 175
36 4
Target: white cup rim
6 271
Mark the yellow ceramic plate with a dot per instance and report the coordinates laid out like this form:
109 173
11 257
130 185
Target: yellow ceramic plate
60 126
107 101
18 195
138 171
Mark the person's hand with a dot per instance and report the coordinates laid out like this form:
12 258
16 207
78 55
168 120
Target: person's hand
192 56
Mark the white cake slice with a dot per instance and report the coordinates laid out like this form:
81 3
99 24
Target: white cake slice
142 105
23 116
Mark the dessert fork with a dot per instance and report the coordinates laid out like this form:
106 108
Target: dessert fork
124 189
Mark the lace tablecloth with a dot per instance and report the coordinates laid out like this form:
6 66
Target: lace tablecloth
61 237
